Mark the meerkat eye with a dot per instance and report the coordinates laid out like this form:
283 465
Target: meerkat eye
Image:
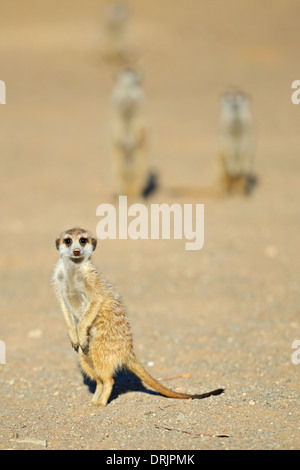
83 241
68 241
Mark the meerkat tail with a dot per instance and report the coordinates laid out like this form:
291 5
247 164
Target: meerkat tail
135 367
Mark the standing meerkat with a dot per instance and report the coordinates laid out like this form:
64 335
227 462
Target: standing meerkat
115 44
236 143
96 318
129 136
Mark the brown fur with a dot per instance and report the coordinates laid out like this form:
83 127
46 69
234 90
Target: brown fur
97 320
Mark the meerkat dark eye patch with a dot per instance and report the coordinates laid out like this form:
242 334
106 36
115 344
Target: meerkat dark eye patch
67 241
83 241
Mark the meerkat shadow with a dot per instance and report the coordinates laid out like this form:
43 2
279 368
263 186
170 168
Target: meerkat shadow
151 185
252 181
125 381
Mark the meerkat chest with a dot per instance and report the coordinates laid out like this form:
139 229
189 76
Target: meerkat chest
126 132
77 299
73 289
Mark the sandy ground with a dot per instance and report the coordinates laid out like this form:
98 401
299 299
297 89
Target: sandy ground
226 315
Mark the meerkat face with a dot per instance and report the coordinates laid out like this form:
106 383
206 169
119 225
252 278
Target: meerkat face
76 244
236 116
235 102
128 92
117 13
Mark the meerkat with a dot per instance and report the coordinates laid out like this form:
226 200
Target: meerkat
236 143
129 136
96 318
115 44
233 167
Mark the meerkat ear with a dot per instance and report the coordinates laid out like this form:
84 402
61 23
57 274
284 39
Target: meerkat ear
57 243
94 243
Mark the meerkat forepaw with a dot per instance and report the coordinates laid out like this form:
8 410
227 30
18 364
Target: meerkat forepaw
75 346
84 347
74 342
83 340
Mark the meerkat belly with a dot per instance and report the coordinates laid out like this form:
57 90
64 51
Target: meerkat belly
78 302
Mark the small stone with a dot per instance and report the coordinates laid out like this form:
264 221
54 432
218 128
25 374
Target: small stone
37 442
35 334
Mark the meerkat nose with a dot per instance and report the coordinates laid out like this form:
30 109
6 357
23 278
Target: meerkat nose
76 252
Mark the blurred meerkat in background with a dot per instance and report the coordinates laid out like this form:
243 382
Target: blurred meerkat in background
129 137
115 44
236 144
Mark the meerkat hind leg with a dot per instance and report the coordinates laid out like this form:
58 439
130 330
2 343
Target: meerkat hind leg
98 392
106 391
89 371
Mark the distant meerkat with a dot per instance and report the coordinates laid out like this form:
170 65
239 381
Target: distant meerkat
129 136
236 143
96 318
115 44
